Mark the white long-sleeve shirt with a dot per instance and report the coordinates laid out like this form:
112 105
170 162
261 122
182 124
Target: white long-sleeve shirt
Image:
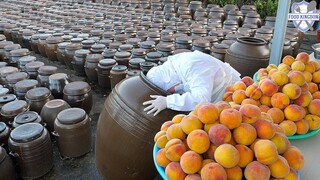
203 76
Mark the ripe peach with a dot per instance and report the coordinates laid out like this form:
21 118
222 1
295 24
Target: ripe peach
245 134
271 66
198 141
221 105
250 113
190 123
235 106
253 91
303 57
227 155
175 131
276 114
304 87
302 126
316 95
238 96
229 88
296 77
294 112
315 64
193 177
161 139
280 100
213 171
165 125
174 171
208 113
262 72
205 162
256 170
289 127
266 116
310 67
210 152
239 85
293 91
304 99
288 59
313 121
251 101
234 173
175 149
207 127
280 168
284 68
268 87
293 175
227 96
219 134
294 157
177 118
298 66
281 141
265 100
316 77
264 128
230 118
313 87
280 78
264 108
191 162
272 71
247 80
265 151
314 107
279 129
246 155
307 75
161 158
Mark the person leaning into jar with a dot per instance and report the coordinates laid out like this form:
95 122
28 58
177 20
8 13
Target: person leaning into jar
191 78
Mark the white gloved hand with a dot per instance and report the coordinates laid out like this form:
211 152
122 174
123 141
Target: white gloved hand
156 105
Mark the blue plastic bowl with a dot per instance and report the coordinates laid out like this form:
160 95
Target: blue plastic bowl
255 77
159 168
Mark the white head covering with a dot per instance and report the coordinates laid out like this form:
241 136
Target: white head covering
163 76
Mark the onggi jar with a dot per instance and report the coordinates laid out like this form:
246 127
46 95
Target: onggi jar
32 68
11 109
79 61
117 74
104 68
26 117
43 75
70 50
42 44
37 98
22 87
13 78
51 47
61 52
92 61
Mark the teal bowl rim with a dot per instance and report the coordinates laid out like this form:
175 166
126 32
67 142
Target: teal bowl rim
303 136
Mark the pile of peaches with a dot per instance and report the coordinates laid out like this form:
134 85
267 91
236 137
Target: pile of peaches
288 94
226 141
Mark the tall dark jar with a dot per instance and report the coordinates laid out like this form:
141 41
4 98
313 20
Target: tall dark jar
248 55
4 136
7 170
38 97
11 109
31 148
78 94
134 129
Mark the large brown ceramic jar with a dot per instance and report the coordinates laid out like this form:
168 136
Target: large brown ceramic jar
25 60
201 45
8 49
109 160
92 61
43 75
235 15
104 68
79 60
50 111
26 38
31 148
73 132
51 47
4 99
265 34
253 18
42 44
7 169
11 109
2 51
26 117
32 68
70 50
37 98
61 52
117 74
248 52
78 94
22 87
13 78
134 63
34 43
57 82
16 54
219 51
4 136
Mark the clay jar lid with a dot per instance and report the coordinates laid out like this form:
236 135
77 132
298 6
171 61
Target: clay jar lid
7 98
72 46
3 127
133 72
54 40
11 47
63 45
125 47
88 42
20 52
25 85
220 48
119 68
76 88
44 36
15 77
264 31
27 132
184 40
147 44
82 53
253 15
165 47
71 116
34 66
94 58
4 71
216 9
26 59
47 70
38 94
25 117
107 62
154 55
136 61
122 54
5 43
2 37
201 43
14 107
177 51
139 51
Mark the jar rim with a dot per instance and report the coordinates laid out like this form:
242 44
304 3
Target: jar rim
251 40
